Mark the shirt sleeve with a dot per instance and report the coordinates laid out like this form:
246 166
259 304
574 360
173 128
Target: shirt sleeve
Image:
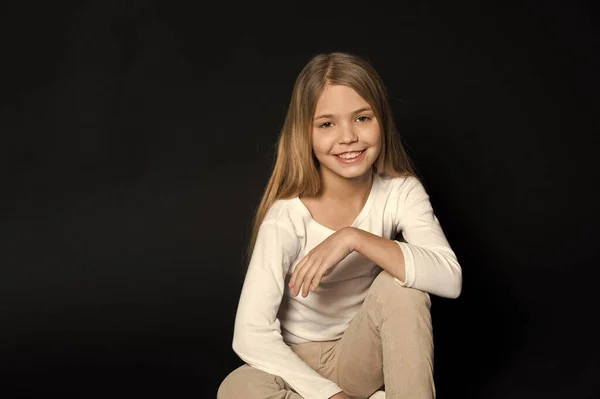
431 265
257 334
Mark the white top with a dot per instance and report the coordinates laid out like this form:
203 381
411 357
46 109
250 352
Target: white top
269 318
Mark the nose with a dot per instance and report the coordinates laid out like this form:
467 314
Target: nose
347 134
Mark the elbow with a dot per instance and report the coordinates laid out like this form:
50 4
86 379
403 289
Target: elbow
450 284
455 286
236 345
455 291
449 280
249 344
241 342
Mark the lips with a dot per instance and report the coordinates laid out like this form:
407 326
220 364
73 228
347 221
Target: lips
358 158
347 152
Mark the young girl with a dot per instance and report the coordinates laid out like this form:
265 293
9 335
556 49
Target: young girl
344 254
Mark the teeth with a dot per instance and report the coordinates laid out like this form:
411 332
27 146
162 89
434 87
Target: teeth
350 155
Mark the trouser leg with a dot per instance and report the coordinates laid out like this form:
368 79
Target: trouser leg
389 341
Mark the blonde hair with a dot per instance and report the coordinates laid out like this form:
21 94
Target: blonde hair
295 171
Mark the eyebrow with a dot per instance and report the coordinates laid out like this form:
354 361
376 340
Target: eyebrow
354 113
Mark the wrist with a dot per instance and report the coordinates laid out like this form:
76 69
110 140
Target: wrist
353 238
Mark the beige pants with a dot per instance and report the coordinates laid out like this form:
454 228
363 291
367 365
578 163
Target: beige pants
388 342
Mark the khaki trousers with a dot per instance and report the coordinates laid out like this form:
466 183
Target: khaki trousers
388 342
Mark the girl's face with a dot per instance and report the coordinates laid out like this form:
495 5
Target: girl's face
345 132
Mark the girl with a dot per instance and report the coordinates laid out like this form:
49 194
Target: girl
344 254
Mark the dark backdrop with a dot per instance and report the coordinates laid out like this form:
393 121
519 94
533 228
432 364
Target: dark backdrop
137 138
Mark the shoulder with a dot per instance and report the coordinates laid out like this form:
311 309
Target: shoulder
402 188
287 214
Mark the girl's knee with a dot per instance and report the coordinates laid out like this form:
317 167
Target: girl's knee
388 290
248 382
234 383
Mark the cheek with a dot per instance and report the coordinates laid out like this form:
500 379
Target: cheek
321 145
317 148
376 143
379 142
374 137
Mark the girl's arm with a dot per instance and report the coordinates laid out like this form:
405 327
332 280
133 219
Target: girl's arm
381 251
257 334
425 261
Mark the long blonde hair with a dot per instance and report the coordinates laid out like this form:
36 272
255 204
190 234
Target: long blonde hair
295 171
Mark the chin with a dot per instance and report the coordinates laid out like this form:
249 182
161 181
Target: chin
350 172
355 175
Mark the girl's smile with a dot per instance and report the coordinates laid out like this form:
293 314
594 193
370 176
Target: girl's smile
351 157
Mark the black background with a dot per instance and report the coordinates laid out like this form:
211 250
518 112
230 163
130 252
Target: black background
137 137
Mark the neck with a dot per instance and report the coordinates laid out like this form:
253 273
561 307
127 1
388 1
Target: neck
342 190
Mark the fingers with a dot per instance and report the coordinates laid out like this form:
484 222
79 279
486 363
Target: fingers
297 269
308 282
299 273
316 280
297 277
312 278
303 280
306 277
308 274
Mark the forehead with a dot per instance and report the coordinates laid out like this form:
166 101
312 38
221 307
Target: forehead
339 99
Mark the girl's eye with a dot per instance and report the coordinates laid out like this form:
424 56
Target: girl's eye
325 125
363 118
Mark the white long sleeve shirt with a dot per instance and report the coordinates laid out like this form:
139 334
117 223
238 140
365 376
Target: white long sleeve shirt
269 318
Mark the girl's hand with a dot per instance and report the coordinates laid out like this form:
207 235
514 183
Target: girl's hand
320 261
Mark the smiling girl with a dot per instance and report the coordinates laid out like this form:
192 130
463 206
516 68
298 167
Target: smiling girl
345 251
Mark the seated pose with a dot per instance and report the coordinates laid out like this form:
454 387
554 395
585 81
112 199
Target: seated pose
345 251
